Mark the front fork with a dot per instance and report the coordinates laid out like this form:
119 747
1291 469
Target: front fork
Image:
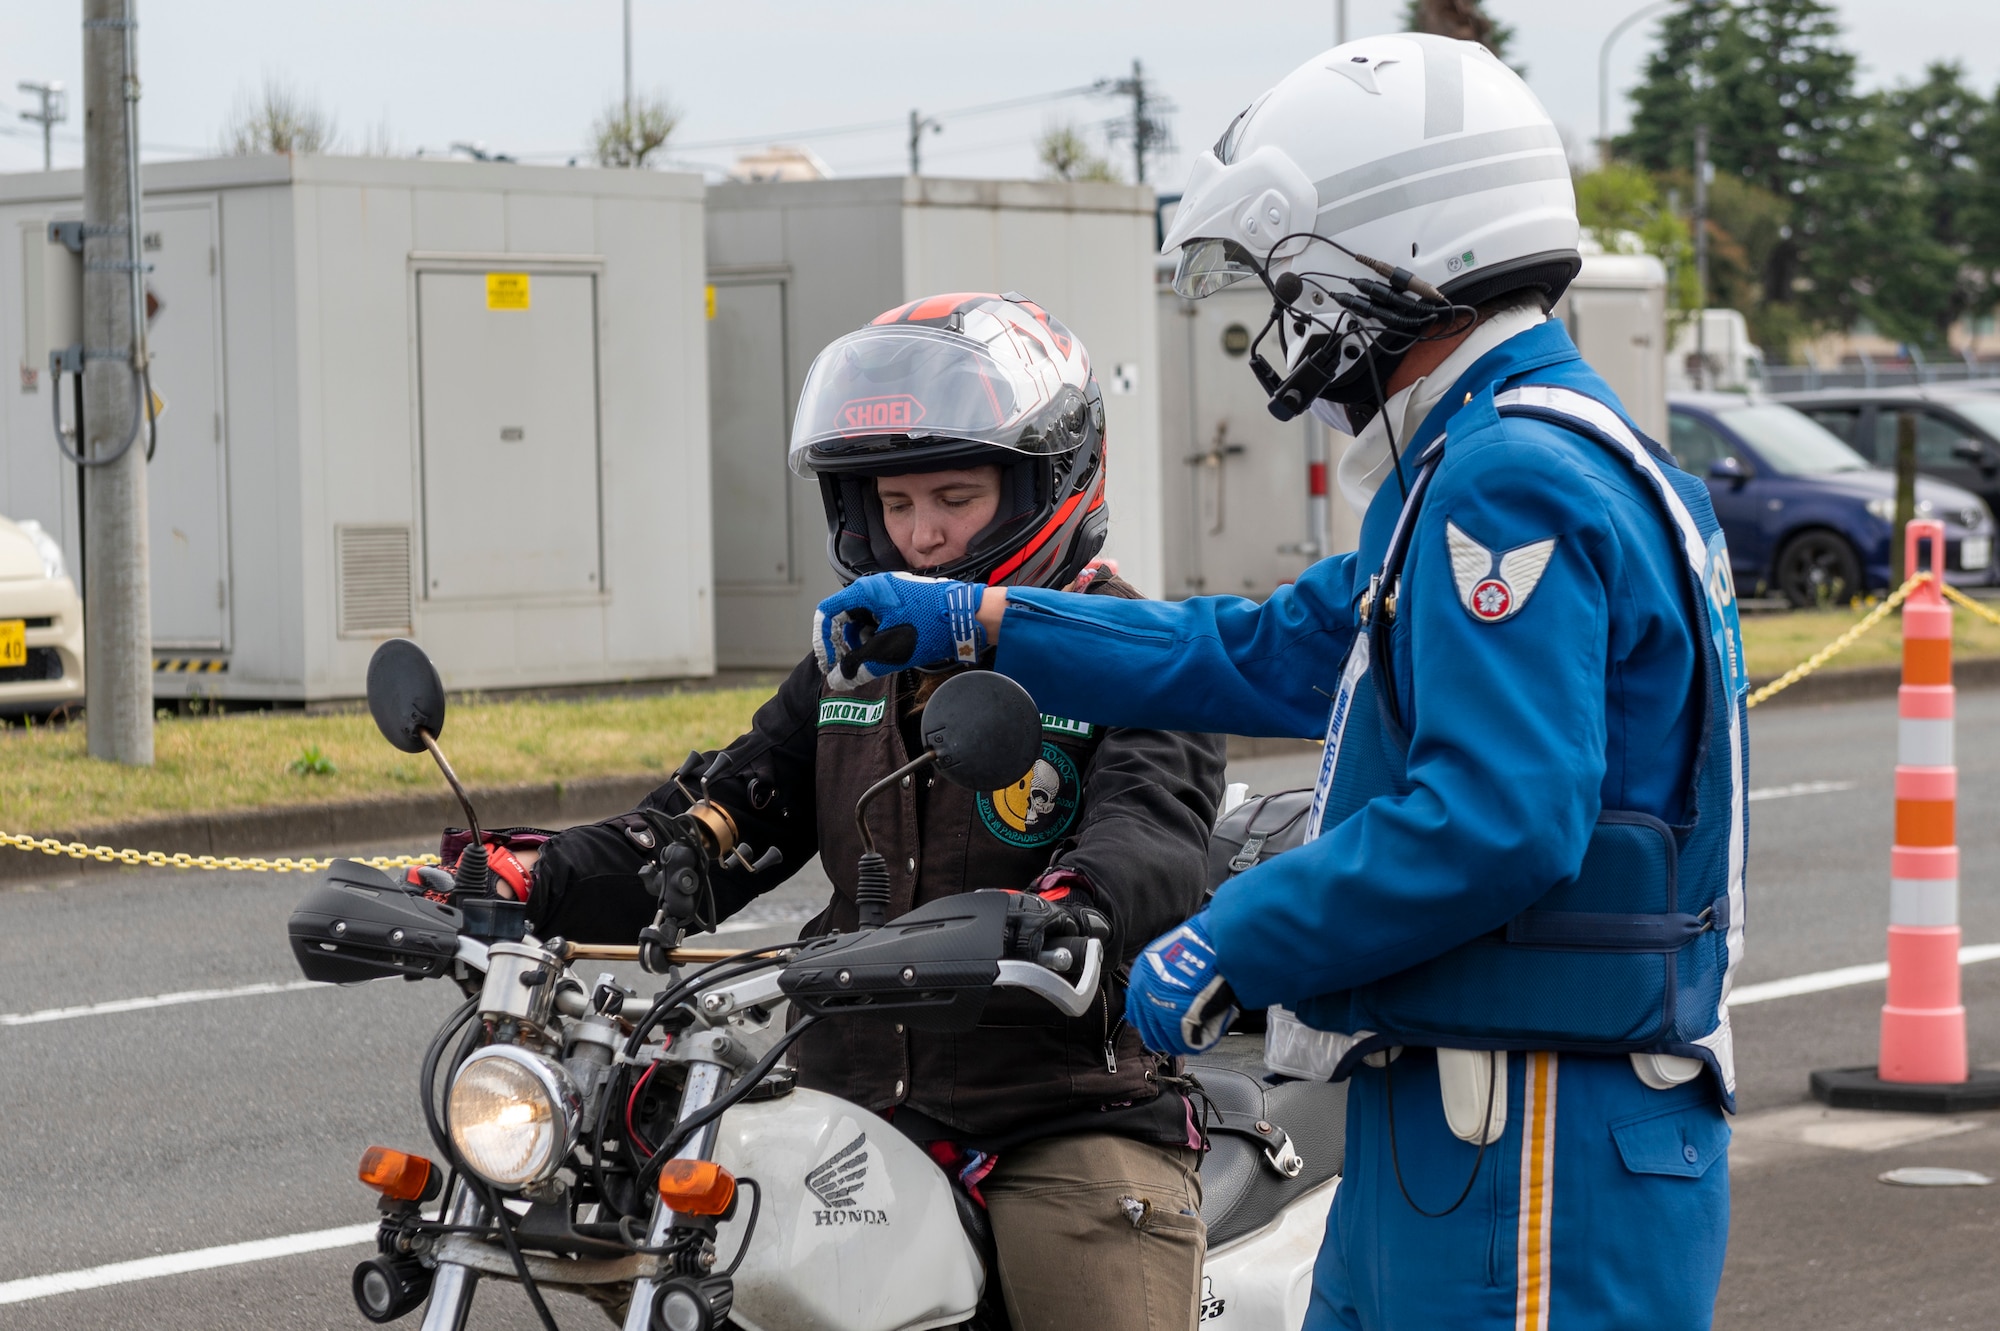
703 1084
451 1287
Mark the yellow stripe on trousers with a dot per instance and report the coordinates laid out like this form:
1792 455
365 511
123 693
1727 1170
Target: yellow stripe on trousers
1538 1178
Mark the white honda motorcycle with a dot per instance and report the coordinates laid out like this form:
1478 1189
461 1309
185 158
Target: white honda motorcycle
663 1163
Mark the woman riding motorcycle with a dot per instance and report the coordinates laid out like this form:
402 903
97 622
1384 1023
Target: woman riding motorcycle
962 436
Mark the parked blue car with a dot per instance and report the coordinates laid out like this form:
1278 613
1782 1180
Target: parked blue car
1807 517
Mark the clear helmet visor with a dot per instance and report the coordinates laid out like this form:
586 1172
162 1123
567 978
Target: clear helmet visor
892 388
1207 266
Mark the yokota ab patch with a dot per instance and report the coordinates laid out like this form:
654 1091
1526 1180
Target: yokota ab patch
850 711
1039 808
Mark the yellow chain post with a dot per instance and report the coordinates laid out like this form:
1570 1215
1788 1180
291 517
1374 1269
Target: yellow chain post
1840 644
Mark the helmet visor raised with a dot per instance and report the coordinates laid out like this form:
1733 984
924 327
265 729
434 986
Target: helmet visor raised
888 390
1207 266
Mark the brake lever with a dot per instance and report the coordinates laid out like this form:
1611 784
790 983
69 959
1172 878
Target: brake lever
1072 999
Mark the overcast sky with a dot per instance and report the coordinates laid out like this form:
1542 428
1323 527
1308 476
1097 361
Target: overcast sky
526 76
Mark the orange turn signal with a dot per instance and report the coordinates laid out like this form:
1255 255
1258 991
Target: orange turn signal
696 1187
400 1177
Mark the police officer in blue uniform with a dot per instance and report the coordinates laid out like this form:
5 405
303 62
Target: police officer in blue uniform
1521 905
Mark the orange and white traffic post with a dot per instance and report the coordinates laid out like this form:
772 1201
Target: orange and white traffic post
1922 1065
1923 1021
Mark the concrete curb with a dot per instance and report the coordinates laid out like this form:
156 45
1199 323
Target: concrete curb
1874 682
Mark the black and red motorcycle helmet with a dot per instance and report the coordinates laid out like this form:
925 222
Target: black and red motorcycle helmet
960 380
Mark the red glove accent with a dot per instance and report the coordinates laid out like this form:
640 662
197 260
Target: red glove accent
509 870
515 877
1064 885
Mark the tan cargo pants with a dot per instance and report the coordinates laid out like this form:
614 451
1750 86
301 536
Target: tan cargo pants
1098 1231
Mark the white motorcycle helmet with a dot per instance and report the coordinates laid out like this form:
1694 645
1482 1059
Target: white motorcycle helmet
1380 192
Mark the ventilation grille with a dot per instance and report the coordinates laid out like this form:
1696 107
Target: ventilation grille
374 581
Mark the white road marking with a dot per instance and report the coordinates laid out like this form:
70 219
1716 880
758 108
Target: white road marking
1800 788
116 1005
1842 978
180 1263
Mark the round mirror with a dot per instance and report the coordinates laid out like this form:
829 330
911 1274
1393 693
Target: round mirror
985 729
405 694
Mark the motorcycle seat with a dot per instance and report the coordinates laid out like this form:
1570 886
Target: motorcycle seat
1243 1179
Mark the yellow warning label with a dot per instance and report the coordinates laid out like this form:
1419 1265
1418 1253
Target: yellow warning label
159 406
708 295
506 291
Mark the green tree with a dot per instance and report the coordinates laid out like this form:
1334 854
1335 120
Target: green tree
1622 207
626 137
1776 89
1932 129
1466 20
1066 154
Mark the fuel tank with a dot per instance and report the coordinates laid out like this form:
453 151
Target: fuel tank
856 1228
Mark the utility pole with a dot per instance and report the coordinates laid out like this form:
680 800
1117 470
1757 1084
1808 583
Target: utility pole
118 623
1340 22
1148 126
1701 253
630 137
55 110
919 123
1140 124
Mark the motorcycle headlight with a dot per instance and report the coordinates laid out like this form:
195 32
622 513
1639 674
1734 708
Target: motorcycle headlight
513 1115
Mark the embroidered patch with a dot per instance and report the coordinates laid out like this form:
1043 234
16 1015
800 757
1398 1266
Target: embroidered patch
1039 808
850 711
1490 587
1062 725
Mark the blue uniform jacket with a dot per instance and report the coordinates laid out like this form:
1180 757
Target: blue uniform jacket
1521 729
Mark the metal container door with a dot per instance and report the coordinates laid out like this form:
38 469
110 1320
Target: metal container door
508 377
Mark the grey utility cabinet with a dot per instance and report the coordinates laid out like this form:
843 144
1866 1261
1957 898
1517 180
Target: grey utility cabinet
464 402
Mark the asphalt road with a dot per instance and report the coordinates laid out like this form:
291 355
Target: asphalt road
169 1129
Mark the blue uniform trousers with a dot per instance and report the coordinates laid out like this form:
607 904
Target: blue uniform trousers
1605 1205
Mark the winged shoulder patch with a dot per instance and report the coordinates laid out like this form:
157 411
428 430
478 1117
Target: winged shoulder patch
1495 587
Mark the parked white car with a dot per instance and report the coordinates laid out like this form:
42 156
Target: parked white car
41 622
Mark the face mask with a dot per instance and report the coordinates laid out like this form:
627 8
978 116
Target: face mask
1348 419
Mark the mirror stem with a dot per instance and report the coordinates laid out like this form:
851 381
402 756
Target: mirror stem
464 800
861 805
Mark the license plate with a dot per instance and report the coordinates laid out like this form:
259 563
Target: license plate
13 643
1975 552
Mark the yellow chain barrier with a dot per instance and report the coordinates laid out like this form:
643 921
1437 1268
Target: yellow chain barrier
1840 644
1970 604
161 859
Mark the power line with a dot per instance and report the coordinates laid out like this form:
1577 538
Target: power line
900 122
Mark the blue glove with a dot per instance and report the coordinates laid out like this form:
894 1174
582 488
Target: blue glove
1179 1002
887 622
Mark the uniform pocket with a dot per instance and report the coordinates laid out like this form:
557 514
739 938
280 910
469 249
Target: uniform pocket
1680 1142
